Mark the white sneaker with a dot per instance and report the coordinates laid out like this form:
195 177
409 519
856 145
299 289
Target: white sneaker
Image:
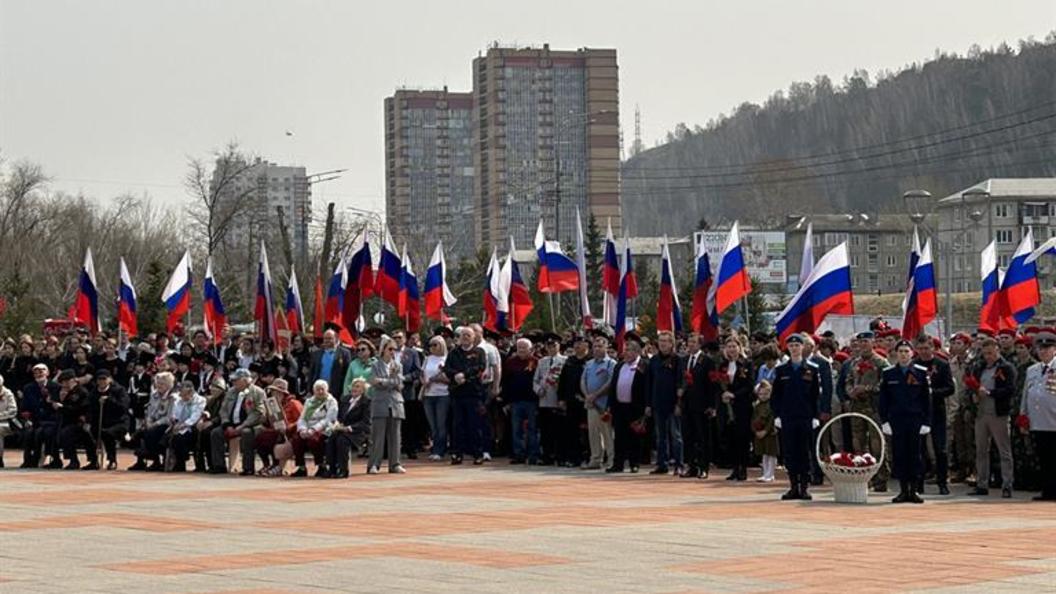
372 470
397 470
434 458
486 457
765 479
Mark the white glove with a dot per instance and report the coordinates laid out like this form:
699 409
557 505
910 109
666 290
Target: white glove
886 428
777 422
924 430
814 423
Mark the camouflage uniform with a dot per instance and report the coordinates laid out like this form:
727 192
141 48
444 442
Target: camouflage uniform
865 372
962 422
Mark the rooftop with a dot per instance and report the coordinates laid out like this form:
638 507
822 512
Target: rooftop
852 223
1008 188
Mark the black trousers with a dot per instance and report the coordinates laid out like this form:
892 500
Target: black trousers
696 439
467 420
740 434
938 445
795 436
415 427
150 446
110 437
38 440
907 463
338 450
549 432
572 444
1045 446
75 436
181 445
628 444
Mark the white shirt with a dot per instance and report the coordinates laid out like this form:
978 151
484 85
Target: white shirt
491 353
186 413
731 370
433 367
236 413
625 383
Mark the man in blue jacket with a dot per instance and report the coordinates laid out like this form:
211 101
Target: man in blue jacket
666 377
904 408
794 400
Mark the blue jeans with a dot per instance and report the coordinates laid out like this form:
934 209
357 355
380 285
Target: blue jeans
436 408
523 416
668 427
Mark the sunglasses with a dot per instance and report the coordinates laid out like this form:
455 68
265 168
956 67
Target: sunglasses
363 350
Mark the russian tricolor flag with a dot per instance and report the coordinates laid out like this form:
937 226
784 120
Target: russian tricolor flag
264 313
826 290
335 292
1019 289
409 306
610 278
668 312
359 285
703 317
733 282
177 294
213 306
557 272
990 317
387 283
516 292
921 303
623 295
86 305
437 294
495 303
126 304
294 309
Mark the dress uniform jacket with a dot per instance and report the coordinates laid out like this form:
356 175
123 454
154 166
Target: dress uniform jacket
1039 404
794 400
905 403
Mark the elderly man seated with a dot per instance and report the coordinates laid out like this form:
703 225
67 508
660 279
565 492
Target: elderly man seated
186 412
156 423
242 418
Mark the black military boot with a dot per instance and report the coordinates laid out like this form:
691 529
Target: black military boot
912 496
903 492
804 485
793 492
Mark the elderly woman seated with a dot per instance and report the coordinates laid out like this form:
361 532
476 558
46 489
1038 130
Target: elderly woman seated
349 432
319 414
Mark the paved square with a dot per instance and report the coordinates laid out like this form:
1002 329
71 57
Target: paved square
501 528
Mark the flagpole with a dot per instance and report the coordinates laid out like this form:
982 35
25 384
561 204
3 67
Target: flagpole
747 315
553 323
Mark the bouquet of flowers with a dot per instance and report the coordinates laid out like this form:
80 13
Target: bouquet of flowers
720 377
971 382
853 460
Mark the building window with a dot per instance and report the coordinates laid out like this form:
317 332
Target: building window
1001 211
831 238
1002 261
873 262
854 261
874 283
816 240
890 261
892 240
856 240
872 243
1004 236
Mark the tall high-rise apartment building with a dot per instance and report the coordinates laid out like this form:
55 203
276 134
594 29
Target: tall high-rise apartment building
429 172
546 141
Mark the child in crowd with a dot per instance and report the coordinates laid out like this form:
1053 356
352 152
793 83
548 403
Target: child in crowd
765 433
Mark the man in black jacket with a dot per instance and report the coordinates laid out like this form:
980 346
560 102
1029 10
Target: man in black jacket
627 401
75 410
996 381
110 412
942 387
464 366
40 422
904 407
352 433
666 378
699 406
571 399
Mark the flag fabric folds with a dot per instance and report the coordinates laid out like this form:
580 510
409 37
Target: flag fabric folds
264 313
86 304
319 317
732 281
668 312
515 291
921 305
335 292
213 314
557 272
387 283
704 319
409 307
581 266
359 284
437 294
177 293
807 263
826 290
1019 289
626 278
495 304
126 304
610 278
990 315
293 309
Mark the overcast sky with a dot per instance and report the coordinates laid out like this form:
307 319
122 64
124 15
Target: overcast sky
113 96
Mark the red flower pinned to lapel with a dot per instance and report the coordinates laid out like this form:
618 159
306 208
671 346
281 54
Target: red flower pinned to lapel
911 379
971 382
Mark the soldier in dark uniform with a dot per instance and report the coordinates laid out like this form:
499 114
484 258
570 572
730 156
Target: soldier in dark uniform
942 387
904 407
797 388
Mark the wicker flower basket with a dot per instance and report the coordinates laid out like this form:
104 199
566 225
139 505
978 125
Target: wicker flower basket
850 484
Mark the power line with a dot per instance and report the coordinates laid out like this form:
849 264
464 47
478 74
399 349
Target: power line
888 153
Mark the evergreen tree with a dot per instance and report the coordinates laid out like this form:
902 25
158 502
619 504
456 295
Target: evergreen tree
594 254
149 308
756 308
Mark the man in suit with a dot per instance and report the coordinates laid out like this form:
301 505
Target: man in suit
794 401
627 402
330 363
241 415
904 406
699 406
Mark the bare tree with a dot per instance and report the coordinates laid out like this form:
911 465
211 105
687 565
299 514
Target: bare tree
219 198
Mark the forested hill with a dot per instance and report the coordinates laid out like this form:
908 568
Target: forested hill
855 146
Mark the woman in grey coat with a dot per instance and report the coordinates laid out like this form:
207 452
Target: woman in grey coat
386 408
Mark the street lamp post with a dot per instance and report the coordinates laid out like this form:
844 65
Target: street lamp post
981 194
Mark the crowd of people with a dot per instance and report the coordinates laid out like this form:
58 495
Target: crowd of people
977 409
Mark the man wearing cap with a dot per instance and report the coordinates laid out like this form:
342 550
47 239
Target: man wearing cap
330 363
994 381
862 386
110 407
74 409
547 374
40 422
961 411
905 412
1006 341
942 387
209 421
207 374
242 417
794 400
1037 412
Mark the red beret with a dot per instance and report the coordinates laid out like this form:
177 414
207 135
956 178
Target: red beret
1031 330
961 336
840 356
1006 332
985 332
1025 340
935 340
881 351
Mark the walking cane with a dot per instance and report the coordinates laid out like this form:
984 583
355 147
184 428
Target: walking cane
99 435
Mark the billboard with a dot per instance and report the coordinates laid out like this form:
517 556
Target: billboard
764 252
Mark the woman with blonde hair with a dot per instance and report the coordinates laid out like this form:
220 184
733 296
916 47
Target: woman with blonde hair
386 408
